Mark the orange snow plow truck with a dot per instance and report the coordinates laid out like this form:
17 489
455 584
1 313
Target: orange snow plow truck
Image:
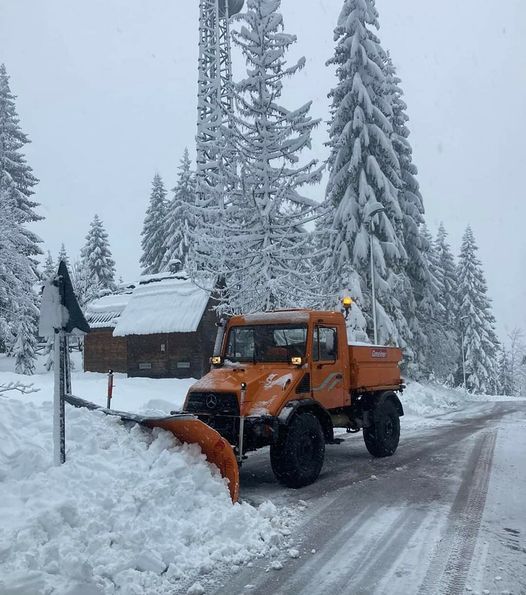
286 379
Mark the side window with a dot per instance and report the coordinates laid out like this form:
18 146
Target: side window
325 348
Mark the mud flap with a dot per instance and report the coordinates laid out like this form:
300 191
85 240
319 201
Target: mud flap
188 429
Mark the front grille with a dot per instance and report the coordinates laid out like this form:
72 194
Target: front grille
213 403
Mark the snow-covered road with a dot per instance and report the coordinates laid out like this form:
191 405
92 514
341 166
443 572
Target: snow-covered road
446 514
134 514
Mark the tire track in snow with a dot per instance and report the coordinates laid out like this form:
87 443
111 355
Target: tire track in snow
451 562
345 554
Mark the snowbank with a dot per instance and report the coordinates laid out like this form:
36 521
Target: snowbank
425 400
130 512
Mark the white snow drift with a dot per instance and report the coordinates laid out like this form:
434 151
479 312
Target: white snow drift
131 511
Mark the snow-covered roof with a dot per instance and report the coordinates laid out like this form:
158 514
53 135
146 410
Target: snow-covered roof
164 304
104 312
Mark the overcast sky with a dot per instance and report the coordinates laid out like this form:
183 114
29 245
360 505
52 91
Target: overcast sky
107 93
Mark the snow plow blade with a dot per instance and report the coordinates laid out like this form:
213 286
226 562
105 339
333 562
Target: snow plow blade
188 429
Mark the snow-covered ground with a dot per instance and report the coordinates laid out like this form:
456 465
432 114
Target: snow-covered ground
132 511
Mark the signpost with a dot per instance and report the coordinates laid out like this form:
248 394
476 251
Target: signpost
61 316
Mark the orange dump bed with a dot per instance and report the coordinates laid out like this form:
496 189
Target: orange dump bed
375 367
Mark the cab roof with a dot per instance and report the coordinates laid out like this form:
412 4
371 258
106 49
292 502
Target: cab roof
292 316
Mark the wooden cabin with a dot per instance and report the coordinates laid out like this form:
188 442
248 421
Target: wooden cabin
167 328
103 351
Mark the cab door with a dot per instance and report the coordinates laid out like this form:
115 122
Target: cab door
327 367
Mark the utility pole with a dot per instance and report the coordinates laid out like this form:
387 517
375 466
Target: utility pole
373 210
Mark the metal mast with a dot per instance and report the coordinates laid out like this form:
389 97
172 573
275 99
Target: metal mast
215 83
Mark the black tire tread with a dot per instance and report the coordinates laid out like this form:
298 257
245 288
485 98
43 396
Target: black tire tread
283 459
377 444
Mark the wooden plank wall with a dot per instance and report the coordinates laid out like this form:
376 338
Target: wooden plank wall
103 352
173 355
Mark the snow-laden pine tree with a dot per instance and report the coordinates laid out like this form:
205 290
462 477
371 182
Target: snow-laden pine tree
179 216
24 349
49 268
18 245
154 232
96 257
517 360
419 302
63 256
449 279
365 174
16 273
261 228
476 320
440 348
16 177
506 385
86 287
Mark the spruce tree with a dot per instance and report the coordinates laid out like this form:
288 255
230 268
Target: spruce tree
476 320
420 300
63 256
179 217
154 232
96 257
364 172
260 226
24 349
266 238
18 245
506 384
16 177
517 360
440 347
449 278
87 288
49 267
16 274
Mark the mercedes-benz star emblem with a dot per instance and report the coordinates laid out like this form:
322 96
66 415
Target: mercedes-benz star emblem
211 401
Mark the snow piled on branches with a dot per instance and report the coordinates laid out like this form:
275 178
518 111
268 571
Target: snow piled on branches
18 245
96 258
365 171
255 239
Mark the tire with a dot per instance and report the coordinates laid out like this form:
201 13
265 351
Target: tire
382 437
297 458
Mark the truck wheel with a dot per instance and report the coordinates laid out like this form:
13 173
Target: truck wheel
297 458
382 437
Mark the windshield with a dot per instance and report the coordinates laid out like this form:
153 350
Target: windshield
266 343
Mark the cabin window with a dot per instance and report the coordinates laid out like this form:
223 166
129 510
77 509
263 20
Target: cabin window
145 366
325 344
183 365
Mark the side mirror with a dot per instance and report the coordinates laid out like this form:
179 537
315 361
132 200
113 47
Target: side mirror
296 361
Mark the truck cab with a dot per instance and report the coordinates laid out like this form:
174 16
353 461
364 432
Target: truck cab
286 379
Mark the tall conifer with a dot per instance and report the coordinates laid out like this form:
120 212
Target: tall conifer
179 216
96 257
364 173
154 232
18 245
260 227
476 320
